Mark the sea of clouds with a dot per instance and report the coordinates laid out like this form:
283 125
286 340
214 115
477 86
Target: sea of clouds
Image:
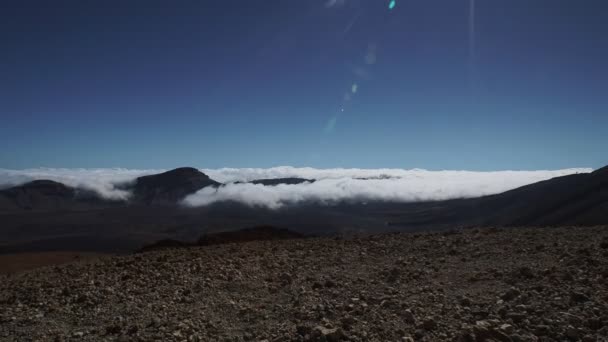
331 185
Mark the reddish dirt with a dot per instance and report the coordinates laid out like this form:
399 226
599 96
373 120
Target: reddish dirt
12 263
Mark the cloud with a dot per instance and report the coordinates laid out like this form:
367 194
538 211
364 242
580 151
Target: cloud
334 185
105 182
331 185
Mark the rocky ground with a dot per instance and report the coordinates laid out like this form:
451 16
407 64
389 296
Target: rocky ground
519 284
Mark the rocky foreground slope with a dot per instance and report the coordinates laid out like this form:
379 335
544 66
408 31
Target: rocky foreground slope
527 284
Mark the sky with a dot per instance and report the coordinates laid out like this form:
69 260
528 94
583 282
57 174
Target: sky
433 84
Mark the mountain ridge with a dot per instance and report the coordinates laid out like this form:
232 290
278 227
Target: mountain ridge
46 215
169 187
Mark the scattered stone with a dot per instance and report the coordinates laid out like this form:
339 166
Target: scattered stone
429 323
507 329
579 297
286 278
323 289
409 317
572 333
526 272
465 301
511 294
327 334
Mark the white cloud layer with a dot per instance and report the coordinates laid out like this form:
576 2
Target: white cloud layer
362 185
332 184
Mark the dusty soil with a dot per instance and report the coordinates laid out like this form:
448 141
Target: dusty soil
17 262
519 284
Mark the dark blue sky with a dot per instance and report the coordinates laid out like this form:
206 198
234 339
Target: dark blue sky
157 84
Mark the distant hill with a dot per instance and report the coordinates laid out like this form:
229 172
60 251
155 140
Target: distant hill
575 199
277 181
249 234
258 233
47 195
167 188
579 199
170 187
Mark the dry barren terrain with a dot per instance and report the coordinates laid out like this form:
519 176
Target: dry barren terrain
517 284
11 263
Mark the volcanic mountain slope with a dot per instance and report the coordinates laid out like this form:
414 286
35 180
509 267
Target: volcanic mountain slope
170 187
518 284
573 199
579 199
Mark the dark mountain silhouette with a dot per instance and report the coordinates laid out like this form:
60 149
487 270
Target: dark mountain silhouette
277 181
47 195
258 233
44 187
169 187
165 244
249 234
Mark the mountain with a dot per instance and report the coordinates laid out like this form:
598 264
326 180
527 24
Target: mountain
575 199
46 215
169 187
579 199
277 181
46 195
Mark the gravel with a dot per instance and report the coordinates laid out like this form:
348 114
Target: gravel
517 284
